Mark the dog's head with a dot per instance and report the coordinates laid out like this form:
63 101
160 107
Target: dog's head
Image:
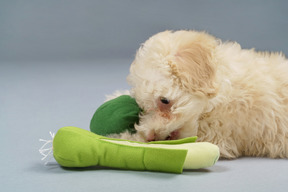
172 79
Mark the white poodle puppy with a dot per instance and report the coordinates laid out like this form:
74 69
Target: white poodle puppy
190 83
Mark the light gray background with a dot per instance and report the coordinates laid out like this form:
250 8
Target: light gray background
59 58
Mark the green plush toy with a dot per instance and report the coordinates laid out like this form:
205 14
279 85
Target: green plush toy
116 116
75 147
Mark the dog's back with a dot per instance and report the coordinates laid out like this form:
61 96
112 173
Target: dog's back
251 107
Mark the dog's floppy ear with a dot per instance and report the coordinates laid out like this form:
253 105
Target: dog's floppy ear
193 62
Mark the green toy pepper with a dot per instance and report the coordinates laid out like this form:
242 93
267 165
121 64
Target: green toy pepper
116 116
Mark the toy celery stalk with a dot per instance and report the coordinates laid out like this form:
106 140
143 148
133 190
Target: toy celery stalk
75 147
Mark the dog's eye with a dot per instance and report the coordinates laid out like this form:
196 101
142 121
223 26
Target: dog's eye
164 100
164 105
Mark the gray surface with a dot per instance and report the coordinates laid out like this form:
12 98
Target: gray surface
58 59
89 29
40 97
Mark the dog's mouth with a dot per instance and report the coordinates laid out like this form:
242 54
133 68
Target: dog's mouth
172 136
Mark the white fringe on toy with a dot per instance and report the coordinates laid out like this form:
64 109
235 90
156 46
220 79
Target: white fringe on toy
47 149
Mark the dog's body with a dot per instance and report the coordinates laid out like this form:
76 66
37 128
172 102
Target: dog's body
189 83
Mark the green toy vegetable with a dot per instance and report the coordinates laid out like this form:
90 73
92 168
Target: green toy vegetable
75 147
116 116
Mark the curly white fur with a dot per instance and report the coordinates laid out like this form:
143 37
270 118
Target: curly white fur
231 97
